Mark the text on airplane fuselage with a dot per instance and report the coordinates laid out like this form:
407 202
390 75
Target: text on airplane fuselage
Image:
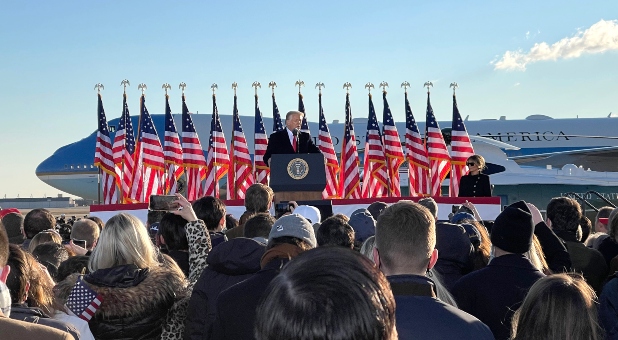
546 136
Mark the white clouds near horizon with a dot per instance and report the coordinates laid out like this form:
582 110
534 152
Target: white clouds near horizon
598 38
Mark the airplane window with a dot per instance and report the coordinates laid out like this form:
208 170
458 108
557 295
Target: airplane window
71 167
91 166
66 166
78 166
85 166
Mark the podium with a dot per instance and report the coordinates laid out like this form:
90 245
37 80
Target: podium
297 177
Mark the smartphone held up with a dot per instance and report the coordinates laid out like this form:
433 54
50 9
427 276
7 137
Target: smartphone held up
163 203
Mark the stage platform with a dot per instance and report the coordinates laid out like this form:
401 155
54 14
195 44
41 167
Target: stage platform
488 207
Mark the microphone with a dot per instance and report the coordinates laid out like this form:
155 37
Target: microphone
295 132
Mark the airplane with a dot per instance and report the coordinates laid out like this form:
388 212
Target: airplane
538 141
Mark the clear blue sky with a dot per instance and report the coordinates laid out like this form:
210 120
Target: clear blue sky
54 52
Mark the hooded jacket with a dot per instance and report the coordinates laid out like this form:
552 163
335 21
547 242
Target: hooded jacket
229 263
135 301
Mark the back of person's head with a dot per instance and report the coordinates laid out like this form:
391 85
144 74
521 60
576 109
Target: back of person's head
559 306
230 221
364 226
98 221
564 213
513 229
4 253
38 220
44 237
28 282
74 264
311 213
603 212
51 255
292 229
367 247
14 223
430 204
405 237
357 294
154 216
612 225
586 227
259 225
334 231
172 230
210 210
258 198
86 230
124 240
376 208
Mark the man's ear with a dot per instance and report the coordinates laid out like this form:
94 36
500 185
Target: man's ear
4 273
548 222
433 259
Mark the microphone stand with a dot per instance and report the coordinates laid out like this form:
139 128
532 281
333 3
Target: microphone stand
296 134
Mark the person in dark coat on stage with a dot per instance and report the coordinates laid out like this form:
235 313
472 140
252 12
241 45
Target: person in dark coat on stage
282 142
475 183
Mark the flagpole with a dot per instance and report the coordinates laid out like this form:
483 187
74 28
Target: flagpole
124 84
213 87
98 87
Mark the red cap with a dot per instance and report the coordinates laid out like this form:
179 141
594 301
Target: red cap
9 211
604 220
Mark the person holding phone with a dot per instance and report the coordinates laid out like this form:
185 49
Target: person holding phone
475 183
84 237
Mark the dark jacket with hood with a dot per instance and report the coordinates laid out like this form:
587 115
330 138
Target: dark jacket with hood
135 301
420 315
455 253
236 306
228 264
585 260
21 312
493 293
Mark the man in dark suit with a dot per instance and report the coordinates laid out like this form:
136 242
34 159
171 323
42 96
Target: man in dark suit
282 142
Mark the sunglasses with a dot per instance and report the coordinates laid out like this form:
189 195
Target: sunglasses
470 164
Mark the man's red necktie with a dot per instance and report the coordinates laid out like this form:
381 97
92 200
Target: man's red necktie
294 143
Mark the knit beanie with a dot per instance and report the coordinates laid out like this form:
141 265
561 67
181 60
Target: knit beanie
513 229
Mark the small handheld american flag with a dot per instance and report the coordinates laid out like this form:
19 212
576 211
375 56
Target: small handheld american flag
83 301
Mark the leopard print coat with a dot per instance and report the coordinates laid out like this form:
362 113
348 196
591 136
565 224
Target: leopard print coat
199 247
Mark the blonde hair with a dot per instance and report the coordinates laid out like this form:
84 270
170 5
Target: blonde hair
537 257
44 237
124 240
559 306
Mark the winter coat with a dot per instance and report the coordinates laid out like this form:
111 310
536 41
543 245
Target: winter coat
420 315
608 309
455 253
19 330
492 294
236 306
135 301
21 312
229 263
585 260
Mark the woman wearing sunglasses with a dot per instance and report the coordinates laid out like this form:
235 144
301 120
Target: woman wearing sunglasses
475 183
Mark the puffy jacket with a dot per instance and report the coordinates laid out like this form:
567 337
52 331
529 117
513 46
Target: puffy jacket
229 263
135 301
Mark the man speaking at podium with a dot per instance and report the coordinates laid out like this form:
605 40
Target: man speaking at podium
290 139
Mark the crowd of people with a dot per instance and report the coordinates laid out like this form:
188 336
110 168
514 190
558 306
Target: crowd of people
385 272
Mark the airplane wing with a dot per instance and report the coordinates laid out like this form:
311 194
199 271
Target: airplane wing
597 159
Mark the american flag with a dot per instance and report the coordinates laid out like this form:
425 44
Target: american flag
104 158
172 151
83 301
325 144
439 160
304 127
277 123
192 155
416 155
260 142
148 174
375 173
241 176
218 161
461 149
392 149
124 148
349 179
